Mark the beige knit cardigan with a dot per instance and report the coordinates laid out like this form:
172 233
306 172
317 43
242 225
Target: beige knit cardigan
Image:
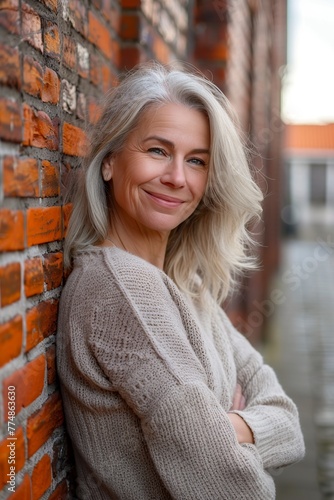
147 378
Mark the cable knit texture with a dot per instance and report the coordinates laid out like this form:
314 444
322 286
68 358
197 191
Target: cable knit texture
147 378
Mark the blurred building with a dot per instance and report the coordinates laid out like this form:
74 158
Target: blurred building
309 178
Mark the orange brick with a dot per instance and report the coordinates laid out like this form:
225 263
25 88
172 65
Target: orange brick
33 277
10 283
43 225
67 210
11 230
39 130
49 179
60 493
99 34
51 86
41 477
130 56
77 15
18 454
74 140
51 364
53 270
94 110
23 491
42 423
51 4
10 339
51 40
32 76
10 120
20 177
9 66
10 16
70 52
41 322
28 381
130 27
31 27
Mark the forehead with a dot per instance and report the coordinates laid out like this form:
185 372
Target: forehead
176 121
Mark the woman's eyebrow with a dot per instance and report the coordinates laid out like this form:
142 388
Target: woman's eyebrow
172 145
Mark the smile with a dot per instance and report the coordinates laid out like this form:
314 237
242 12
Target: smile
164 200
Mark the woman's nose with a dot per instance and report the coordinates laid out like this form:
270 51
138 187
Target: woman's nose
174 173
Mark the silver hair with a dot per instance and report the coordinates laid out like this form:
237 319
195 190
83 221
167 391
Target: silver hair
214 241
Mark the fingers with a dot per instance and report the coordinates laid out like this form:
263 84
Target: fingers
239 401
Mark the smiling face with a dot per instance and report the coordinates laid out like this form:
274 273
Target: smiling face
159 177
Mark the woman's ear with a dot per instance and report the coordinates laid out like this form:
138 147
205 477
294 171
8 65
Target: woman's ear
107 168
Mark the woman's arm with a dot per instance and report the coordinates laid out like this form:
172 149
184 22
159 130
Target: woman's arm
269 412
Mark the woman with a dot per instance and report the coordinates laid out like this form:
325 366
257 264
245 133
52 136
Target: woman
163 398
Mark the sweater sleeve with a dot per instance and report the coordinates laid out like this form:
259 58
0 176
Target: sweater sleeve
269 412
140 342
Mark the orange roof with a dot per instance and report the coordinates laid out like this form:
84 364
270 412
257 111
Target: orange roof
313 137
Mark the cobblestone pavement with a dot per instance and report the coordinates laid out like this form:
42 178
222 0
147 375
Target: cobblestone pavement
300 347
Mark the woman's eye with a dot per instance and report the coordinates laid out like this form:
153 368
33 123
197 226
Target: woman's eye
157 151
197 161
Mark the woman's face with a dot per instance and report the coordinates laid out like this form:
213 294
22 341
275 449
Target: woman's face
159 177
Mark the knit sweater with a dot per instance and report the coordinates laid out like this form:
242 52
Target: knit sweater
147 378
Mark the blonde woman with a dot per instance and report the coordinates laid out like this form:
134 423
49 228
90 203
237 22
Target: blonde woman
163 398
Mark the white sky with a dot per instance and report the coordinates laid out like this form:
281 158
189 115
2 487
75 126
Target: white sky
308 91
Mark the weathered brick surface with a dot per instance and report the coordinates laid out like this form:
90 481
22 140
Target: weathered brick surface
56 61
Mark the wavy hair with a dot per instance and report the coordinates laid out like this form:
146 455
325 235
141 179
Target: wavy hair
214 241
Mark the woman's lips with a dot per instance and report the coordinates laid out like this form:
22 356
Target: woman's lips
165 200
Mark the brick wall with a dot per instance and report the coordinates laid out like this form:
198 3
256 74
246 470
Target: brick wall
57 57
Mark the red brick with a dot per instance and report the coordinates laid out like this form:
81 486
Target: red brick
32 76
41 477
74 140
9 66
9 16
10 339
94 110
130 56
130 27
10 120
70 52
4 455
31 27
53 270
51 364
39 130
28 382
130 4
60 493
11 230
33 277
52 41
77 15
42 423
41 322
10 283
67 210
99 34
20 177
43 225
49 179
112 14
51 4
23 490
51 86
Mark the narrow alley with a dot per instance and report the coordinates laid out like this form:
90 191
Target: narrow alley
300 347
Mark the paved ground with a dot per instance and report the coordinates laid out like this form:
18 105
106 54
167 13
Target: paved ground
301 348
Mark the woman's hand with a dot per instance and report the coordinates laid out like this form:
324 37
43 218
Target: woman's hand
244 433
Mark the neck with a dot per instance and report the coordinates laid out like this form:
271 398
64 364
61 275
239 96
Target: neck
151 248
